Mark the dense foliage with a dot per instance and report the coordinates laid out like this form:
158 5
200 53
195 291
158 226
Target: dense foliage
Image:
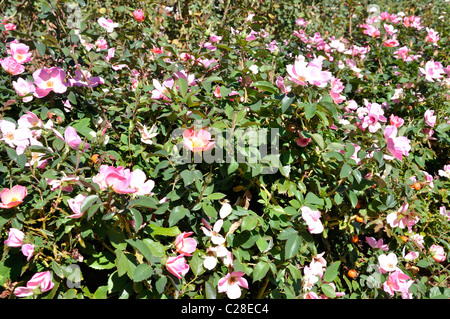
207 149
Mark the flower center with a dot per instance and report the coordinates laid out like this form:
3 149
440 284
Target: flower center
301 78
49 84
9 136
19 57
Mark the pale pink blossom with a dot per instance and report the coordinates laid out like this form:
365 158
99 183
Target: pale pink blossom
184 244
118 179
402 218
398 282
311 295
312 219
48 80
14 137
146 133
370 30
10 65
72 138
390 30
161 90
213 233
177 266
75 205
445 172
23 88
41 280
84 78
225 210
231 283
281 85
444 212
107 24
437 253
432 36
212 253
20 52
336 88
199 141
432 71
399 146
418 240
430 118
388 263
302 72
28 251
377 244
412 255
15 238
11 197
140 183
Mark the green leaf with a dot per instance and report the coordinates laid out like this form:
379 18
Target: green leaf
313 199
328 290
88 202
286 102
260 270
292 246
101 260
310 110
164 231
266 86
196 264
177 214
319 140
157 249
345 171
142 272
331 272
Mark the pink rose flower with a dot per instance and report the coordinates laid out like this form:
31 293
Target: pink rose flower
302 72
138 15
197 141
139 182
28 251
377 244
398 146
437 252
177 266
118 179
398 281
48 80
161 90
19 52
10 65
23 88
388 263
15 238
430 118
432 71
12 197
107 24
41 280
185 245
71 137
231 283
312 219
75 206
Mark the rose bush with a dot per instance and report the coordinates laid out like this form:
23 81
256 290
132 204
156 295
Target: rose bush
207 151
